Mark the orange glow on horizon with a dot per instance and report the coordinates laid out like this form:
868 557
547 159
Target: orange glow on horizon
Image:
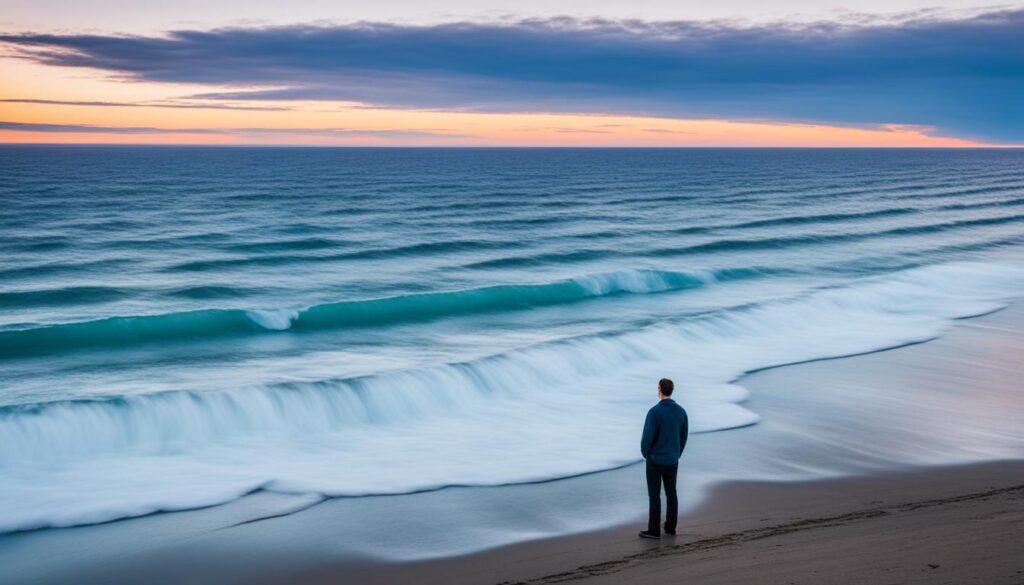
412 128
347 124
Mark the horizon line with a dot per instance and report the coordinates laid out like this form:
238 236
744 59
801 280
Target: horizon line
503 147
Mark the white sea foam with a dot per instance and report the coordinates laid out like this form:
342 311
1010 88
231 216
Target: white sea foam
275 320
636 281
543 412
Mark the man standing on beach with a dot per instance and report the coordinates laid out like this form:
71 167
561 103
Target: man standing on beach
664 439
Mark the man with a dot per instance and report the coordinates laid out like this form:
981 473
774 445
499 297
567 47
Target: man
664 439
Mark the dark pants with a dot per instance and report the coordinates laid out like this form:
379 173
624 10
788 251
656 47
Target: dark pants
656 474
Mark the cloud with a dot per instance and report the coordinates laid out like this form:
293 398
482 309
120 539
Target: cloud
325 132
580 131
963 75
666 131
32 127
174 105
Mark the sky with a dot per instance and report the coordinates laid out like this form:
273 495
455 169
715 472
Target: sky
942 73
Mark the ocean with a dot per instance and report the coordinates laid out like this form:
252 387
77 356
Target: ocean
182 326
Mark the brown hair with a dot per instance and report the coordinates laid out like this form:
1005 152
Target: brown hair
666 386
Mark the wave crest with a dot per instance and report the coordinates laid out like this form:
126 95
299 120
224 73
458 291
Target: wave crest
212 323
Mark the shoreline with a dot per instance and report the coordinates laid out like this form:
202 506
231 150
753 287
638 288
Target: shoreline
800 462
728 509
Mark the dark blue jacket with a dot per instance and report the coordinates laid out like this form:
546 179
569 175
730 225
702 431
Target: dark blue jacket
665 432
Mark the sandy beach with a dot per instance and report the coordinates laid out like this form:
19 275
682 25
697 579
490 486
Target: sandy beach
949 525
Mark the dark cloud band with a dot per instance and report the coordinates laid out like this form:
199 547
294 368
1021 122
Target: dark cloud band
324 132
176 106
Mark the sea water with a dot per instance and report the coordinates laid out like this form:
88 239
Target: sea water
181 326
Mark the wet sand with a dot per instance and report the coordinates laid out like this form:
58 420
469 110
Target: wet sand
961 524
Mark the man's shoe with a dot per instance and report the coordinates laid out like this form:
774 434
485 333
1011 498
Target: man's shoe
649 534
671 532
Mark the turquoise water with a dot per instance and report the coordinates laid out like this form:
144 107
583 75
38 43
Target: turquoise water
181 326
